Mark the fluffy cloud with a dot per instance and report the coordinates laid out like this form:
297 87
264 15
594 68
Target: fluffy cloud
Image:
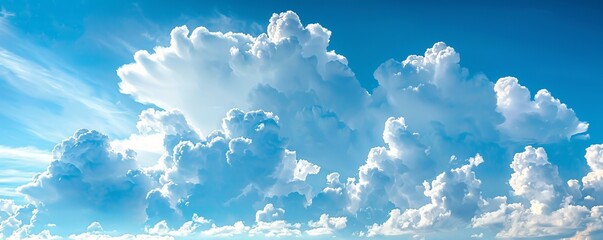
206 66
192 171
100 236
269 213
227 231
545 119
534 177
16 221
455 197
426 90
326 117
268 118
278 228
593 181
287 70
162 228
268 223
515 220
88 176
393 174
548 208
326 225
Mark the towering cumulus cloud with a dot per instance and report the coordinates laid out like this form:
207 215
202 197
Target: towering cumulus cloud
273 136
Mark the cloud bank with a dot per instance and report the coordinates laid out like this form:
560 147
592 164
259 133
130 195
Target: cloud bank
273 136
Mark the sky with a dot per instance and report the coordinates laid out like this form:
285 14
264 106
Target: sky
301 120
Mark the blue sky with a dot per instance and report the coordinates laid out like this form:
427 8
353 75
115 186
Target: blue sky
308 119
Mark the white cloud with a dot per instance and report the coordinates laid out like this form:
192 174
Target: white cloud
269 213
325 116
206 66
455 198
477 235
534 177
593 181
287 70
594 157
161 228
548 208
268 223
102 236
312 107
278 228
18 221
544 119
437 96
95 227
88 175
518 221
195 169
148 148
303 168
227 231
326 225
393 174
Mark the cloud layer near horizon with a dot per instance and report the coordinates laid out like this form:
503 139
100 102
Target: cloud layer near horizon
273 135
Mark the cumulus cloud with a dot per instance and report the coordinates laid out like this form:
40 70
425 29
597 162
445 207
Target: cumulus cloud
16 221
544 119
593 181
278 228
548 208
519 221
268 223
326 117
393 174
326 225
269 118
287 70
192 172
88 176
426 90
227 231
269 213
534 177
206 66
455 197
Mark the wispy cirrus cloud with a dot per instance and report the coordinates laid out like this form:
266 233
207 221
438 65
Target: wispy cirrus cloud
47 96
18 165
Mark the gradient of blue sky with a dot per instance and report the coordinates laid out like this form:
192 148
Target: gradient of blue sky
70 51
